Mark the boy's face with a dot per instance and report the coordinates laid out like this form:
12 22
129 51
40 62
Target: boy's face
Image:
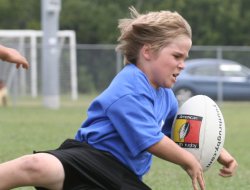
163 67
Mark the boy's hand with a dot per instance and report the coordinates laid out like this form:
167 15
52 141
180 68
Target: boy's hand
195 172
229 164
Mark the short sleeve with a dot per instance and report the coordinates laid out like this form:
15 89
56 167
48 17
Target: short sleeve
134 119
167 127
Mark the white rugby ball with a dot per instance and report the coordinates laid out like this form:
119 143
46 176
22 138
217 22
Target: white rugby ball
200 129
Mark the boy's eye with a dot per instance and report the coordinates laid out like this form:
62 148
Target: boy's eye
177 56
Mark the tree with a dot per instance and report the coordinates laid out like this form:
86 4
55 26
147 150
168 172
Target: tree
214 22
21 14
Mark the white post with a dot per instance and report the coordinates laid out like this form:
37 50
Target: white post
73 66
33 62
220 80
21 88
50 53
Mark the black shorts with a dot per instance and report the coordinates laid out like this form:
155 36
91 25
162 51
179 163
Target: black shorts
87 168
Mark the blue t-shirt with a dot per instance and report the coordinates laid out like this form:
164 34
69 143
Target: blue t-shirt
129 117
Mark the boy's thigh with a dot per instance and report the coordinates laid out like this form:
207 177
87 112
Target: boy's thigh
87 168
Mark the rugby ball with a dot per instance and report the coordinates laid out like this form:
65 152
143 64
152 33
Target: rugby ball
199 128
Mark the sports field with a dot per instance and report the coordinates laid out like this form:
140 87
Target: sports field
29 126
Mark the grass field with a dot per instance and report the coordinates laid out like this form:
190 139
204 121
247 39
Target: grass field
29 126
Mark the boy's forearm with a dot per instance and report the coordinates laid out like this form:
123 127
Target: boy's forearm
168 150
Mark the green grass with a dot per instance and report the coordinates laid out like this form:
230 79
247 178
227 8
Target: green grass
29 126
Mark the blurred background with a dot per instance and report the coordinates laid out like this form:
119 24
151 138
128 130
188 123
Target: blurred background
87 62
88 34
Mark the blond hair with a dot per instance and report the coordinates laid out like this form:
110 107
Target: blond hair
154 28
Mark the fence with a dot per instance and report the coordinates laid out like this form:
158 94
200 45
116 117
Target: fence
97 65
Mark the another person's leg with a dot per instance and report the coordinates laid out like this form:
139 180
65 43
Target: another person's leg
41 169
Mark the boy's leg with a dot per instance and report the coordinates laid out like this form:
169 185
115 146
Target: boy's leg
41 169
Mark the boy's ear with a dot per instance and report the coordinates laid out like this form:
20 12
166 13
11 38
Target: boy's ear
146 51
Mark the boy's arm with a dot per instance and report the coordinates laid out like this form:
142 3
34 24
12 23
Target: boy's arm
13 56
229 164
168 150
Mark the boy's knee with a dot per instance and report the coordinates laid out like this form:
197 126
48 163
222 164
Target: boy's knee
41 165
39 169
32 165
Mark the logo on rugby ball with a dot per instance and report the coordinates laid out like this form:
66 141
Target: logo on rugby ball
187 130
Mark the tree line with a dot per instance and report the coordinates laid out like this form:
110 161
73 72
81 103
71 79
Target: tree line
214 22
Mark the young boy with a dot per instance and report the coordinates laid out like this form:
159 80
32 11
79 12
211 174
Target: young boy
127 123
